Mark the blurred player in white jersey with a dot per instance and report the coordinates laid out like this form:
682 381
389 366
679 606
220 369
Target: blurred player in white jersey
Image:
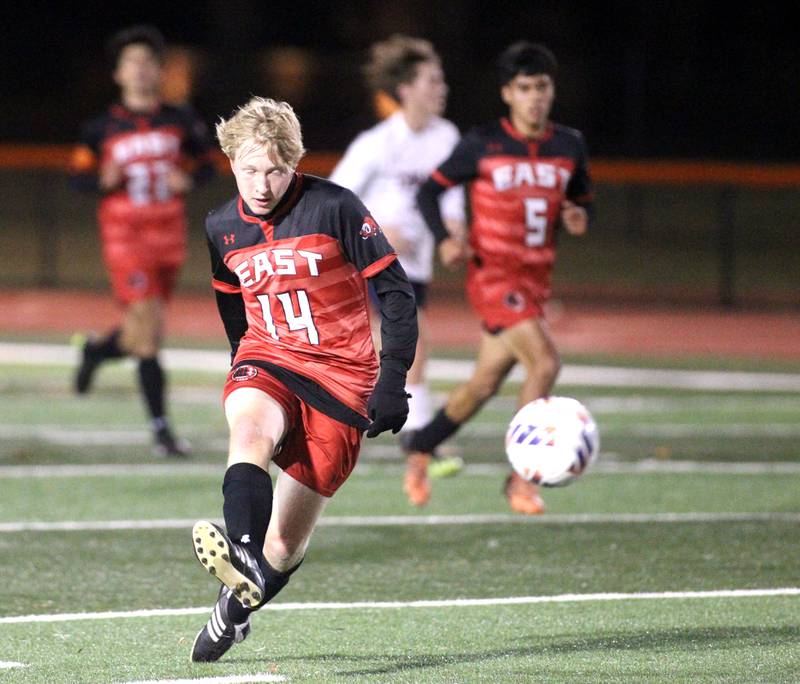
385 167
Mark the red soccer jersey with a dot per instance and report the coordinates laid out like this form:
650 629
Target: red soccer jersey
301 275
142 219
517 187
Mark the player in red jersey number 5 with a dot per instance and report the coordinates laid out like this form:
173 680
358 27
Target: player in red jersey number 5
291 255
528 178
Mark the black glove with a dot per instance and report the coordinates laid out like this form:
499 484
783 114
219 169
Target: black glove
387 408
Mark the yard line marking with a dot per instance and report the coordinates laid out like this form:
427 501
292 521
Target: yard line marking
9 664
456 370
651 466
605 465
438 603
112 470
67 436
727 430
82 436
228 679
422 520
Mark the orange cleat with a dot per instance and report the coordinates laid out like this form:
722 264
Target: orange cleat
523 496
416 483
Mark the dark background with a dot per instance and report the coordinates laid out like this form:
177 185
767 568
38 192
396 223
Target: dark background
641 79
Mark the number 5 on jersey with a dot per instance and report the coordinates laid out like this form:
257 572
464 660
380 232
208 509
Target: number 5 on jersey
303 320
535 221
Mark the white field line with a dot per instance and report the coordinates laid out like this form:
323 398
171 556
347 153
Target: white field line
68 436
446 603
228 679
454 370
707 429
418 520
9 664
607 467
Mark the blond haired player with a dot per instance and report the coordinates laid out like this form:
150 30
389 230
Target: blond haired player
291 255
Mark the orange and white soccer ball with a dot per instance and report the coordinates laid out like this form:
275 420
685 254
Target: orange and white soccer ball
551 441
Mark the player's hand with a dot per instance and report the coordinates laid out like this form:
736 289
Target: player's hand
387 408
452 252
111 176
574 218
179 182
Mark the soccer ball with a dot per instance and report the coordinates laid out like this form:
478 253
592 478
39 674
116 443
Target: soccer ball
552 440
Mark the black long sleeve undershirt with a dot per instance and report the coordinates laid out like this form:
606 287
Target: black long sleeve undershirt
428 203
232 312
399 329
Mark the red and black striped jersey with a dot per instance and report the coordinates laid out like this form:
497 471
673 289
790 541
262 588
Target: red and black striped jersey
516 187
146 146
301 275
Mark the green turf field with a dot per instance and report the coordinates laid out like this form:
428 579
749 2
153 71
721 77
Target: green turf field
659 565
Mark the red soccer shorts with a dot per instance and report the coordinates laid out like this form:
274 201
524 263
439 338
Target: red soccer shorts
133 283
318 451
503 298
143 249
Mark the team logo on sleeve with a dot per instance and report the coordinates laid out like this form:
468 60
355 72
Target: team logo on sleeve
243 373
369 228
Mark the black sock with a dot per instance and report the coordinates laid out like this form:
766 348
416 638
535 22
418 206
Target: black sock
427 438
106 348
275 580
151 382
247 490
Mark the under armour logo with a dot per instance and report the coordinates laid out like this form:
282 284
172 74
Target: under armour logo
245 539
229 239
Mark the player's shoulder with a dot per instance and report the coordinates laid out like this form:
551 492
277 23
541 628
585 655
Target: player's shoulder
329 202
444 129
566 141
442 124
97 122
484 132
324 191
566 132
219 220
372 135
183 114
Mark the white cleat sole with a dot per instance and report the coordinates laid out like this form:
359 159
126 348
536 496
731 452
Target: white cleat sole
214 555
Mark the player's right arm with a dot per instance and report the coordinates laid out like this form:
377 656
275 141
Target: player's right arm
460 167
228 293
84 164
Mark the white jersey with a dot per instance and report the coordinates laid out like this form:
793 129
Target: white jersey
385 166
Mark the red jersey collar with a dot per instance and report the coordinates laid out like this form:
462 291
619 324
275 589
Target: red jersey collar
119 109
508 127
285 204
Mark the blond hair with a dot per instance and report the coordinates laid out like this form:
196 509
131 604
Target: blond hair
395 61
265 122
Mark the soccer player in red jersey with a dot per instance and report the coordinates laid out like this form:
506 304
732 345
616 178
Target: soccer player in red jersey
143 156
528 178
291 255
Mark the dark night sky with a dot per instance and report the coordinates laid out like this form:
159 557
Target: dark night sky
641 79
